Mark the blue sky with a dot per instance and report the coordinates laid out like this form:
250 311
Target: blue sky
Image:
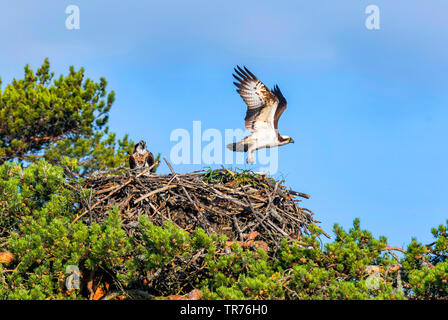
367 109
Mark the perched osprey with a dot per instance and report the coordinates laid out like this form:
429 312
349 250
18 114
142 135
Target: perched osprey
141 157
264 108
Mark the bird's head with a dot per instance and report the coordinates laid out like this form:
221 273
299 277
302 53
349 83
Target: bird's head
285 140
140 146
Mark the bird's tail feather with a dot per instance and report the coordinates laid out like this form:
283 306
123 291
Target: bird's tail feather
240 146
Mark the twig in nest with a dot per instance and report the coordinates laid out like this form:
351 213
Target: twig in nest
183 188
154 192
110 194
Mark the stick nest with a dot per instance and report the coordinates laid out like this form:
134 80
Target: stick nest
236 204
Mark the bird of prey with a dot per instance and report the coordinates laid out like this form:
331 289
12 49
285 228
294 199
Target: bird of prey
140 157
264 108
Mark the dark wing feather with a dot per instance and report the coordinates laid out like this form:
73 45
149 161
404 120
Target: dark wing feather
281 105
149 159
259 99
132 163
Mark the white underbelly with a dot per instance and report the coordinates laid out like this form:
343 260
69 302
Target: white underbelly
264 139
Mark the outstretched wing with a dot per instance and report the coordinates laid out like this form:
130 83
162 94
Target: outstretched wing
281 105
261 102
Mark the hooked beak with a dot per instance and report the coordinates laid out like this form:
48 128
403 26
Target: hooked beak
291 141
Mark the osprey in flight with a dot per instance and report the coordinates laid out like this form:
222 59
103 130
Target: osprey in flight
141 157
264 108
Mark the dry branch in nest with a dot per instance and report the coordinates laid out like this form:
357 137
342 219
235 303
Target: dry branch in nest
236 204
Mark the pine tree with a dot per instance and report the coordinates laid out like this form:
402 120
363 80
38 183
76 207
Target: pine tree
63 120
